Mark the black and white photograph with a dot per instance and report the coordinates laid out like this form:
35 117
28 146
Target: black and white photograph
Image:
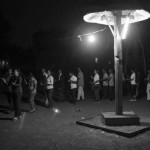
74 75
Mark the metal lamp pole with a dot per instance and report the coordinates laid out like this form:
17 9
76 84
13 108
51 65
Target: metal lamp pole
118 63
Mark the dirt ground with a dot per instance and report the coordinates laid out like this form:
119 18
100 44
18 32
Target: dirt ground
47 130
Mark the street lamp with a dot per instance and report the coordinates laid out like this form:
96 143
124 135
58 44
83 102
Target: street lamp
117 18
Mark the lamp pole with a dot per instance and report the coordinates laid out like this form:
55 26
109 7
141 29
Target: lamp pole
118 63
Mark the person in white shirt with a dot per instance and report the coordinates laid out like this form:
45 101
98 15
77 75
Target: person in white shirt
105 84
43 84
133 85
73 86
96 86
80 85
49 88
111 85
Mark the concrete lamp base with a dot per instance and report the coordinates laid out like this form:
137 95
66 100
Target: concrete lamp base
128 118
129 131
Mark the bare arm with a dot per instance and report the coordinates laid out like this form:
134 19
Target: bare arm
18 84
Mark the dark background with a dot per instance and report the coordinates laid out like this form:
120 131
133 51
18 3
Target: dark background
43 33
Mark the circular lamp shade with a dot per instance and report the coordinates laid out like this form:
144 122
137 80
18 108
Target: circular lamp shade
100 17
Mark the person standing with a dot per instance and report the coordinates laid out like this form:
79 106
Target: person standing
61 86
32 91
16 84
148 86
80 85
96 86
105 84
73 86
9 89
111 85
138 84
133 85
43 83
49 88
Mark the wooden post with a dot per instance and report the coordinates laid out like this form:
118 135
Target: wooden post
118 63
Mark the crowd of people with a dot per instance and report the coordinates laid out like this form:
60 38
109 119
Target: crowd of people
102 87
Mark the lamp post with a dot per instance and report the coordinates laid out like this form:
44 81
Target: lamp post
117 18
118 64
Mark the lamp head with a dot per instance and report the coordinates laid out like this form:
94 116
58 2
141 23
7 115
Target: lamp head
91 38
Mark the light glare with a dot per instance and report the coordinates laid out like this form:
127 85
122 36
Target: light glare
91 38
125 28
56 110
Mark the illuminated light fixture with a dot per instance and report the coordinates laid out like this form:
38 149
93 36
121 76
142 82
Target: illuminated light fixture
125 28
99 17
91 38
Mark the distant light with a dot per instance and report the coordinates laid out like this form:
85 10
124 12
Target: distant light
91 38
3 63
125 28
56 110
96 60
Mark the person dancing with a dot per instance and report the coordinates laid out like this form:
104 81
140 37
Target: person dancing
32 91
7 81
96 86
43 83
80 85
16 84
73 86
49 88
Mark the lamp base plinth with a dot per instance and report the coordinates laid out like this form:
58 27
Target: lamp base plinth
127 118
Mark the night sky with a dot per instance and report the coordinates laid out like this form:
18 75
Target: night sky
28 16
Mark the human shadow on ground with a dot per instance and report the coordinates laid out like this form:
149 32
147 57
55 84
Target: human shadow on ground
1 119
67 97
37 102
145 124
4 109
24 110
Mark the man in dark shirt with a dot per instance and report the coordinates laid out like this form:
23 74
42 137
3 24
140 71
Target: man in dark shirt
16 84
43 83
9 89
